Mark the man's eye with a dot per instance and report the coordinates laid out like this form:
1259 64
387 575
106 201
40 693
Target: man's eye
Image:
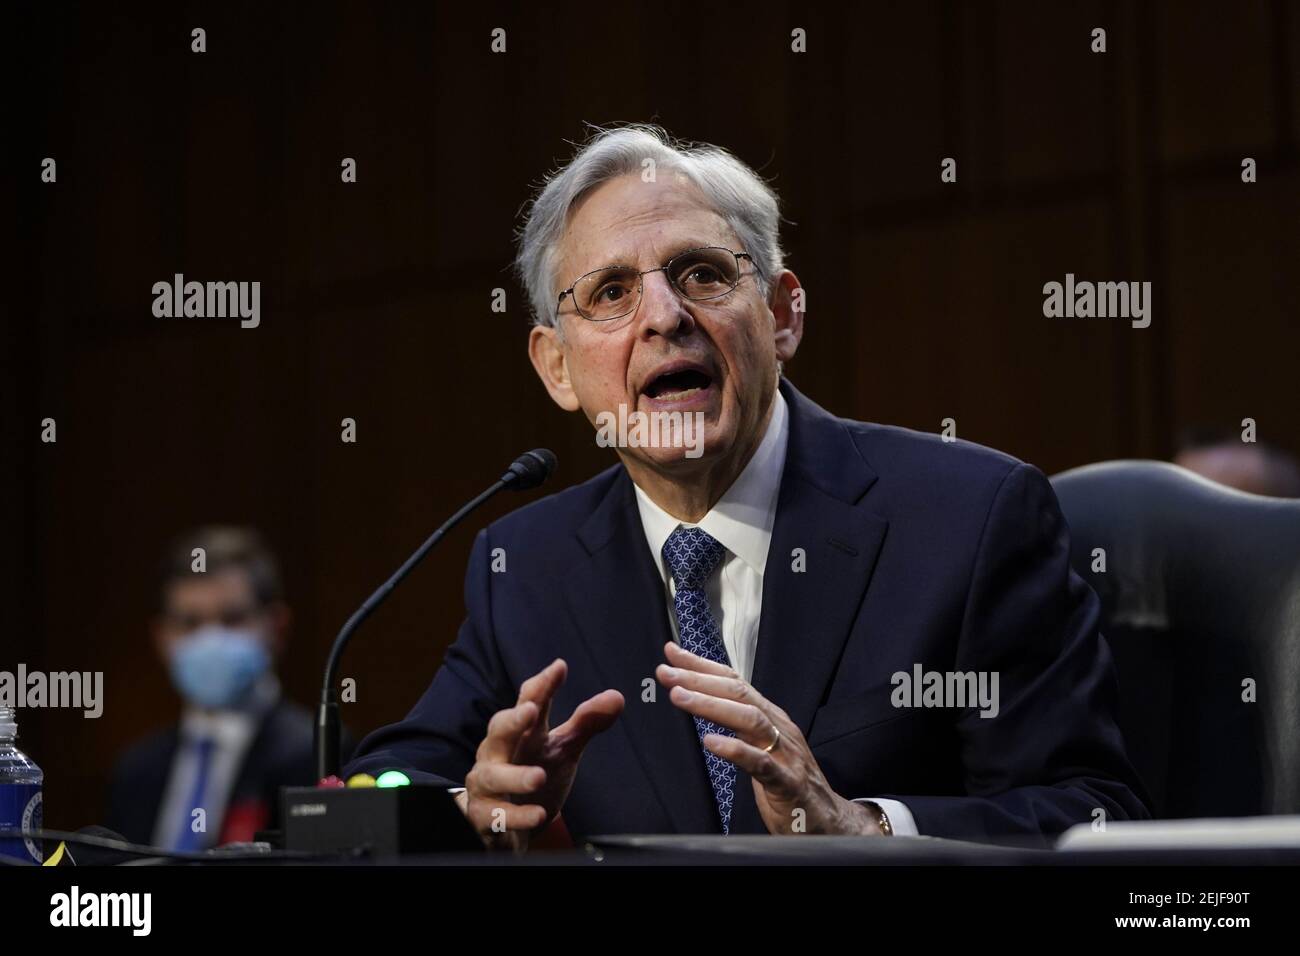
612 293
700 277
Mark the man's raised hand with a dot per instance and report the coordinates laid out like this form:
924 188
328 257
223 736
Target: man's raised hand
524 769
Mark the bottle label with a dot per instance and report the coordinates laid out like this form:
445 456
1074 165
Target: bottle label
20 808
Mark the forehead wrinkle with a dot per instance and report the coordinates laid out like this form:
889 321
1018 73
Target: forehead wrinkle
661 209
659 248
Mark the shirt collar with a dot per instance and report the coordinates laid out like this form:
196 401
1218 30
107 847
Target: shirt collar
743 517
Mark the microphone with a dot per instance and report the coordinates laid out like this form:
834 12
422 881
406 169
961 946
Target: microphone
527 471
530 469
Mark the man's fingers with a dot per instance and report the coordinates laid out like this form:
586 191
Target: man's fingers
543 684
492 779
504 731
746 720
595 714
732 688
679 656
500 816
541 688
763 767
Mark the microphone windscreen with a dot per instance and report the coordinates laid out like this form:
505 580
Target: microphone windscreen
530 469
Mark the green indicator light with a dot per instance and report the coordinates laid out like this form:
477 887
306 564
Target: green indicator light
393 778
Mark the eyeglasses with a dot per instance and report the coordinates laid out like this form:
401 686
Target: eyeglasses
232 617
709 272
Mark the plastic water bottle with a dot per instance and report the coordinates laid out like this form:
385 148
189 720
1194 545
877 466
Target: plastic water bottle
20 793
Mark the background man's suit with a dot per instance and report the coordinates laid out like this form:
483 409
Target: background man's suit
949 555
279 755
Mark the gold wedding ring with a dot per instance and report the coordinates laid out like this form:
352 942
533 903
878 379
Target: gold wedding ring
775 740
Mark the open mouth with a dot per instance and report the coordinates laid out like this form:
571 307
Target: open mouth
678 383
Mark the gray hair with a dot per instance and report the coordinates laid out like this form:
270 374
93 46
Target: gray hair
733 189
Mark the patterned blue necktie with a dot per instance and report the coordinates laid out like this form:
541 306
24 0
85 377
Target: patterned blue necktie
691 556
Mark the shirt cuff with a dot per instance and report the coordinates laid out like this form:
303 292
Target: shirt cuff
900 818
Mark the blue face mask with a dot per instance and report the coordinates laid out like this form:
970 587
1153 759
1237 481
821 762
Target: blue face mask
215 666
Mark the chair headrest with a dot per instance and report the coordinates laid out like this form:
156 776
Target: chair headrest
1181 551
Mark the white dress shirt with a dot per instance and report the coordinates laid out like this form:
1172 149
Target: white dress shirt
742 522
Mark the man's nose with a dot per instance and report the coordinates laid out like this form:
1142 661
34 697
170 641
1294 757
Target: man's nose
662 310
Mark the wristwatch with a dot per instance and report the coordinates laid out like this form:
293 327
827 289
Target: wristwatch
882 818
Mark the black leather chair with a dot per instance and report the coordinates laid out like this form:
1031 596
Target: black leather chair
1201 590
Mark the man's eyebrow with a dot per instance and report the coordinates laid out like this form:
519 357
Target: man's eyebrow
675 249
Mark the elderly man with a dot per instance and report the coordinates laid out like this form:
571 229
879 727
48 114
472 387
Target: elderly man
807 625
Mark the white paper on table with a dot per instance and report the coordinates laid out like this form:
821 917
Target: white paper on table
1216 832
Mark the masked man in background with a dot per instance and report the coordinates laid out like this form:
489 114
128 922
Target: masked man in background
213 778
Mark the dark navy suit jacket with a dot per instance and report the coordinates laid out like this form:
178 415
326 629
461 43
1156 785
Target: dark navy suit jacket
280 755
916 551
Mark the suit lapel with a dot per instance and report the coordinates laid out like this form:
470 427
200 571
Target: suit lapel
616 599
823 552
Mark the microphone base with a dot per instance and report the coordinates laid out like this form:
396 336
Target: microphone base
381 821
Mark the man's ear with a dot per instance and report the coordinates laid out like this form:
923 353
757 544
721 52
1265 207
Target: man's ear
788 309
547 354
